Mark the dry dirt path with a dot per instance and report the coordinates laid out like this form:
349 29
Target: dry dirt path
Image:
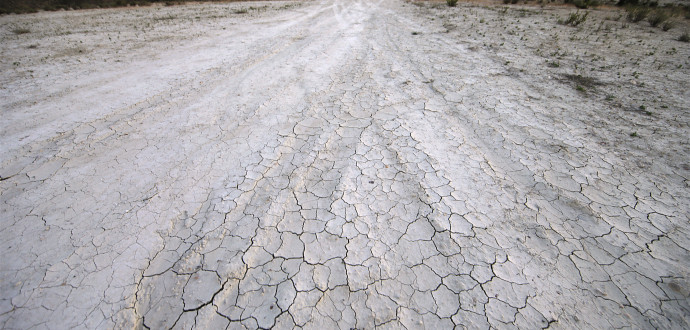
322 166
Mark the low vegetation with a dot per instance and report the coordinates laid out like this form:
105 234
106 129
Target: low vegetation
574 19
658 17
637 13
583 4
667 26
32 6
21 31
685 37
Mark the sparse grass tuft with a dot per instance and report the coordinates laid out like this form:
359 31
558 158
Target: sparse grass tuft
574 19
452 3
645 111
667 25
165 18
658 17
636 14
684 37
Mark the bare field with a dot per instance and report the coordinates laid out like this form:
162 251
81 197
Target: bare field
344 164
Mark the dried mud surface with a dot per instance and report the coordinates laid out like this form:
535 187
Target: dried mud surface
343 164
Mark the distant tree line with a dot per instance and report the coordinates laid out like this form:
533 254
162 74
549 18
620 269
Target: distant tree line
31 6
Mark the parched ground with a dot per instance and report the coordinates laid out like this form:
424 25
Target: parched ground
343 164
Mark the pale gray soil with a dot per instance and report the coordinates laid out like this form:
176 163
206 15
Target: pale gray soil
343 164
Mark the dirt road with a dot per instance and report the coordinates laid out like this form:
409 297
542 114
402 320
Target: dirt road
330 164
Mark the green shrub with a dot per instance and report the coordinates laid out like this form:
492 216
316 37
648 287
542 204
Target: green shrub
452 3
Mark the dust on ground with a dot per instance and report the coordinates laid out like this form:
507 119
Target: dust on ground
348 164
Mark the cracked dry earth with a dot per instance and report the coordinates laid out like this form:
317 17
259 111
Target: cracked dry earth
320 165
